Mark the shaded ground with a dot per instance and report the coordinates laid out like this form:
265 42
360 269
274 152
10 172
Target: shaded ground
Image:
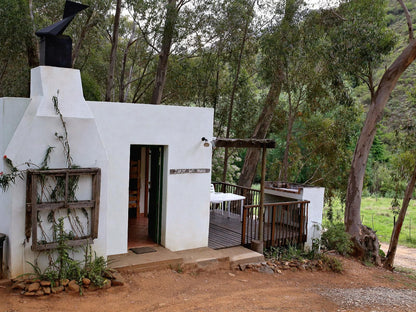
359 288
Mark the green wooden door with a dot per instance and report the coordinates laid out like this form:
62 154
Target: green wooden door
155 193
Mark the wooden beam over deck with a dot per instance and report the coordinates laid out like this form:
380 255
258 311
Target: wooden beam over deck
244 143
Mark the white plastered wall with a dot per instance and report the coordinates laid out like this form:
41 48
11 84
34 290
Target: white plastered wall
185 199
34 133
316 197
11 112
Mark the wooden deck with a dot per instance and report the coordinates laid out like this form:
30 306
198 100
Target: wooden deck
280 227
224 232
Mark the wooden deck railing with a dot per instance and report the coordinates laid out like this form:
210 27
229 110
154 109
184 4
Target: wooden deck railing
284 223
252 196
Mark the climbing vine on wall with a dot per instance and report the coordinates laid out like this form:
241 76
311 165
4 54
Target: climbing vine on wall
52 194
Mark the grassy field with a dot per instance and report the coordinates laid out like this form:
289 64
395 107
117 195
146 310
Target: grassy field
377 214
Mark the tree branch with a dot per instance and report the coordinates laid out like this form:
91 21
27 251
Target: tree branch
408 19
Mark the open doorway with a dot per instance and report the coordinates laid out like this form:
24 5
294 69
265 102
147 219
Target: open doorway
145 195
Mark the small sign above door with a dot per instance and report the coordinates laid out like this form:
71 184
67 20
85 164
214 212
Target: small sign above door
183 171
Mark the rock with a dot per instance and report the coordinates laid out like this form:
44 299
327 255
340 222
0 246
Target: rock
57 290
47 290
86 281
108 274
40 292
45 283
231 274
73 286
117 282
19 279
27 293
92 287
117 279
266 269
64 282
19 285
33 287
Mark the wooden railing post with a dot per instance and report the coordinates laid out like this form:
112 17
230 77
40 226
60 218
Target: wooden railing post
244 227
273 225
301 222
261 213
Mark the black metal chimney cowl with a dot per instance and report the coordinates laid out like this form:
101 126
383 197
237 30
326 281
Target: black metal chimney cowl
55 48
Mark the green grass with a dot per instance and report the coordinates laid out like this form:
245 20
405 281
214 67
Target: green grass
378 215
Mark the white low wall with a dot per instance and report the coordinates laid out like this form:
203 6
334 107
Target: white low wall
316 197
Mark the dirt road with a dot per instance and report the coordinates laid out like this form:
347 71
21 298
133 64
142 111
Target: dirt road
359 288
405 256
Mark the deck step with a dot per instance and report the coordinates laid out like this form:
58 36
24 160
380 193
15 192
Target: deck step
161 259
199 259
240 255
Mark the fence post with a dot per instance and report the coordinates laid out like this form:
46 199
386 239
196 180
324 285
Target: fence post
372 222
410 228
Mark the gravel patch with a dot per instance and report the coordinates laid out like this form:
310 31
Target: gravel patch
374 296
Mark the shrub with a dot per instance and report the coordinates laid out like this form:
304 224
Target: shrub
63 266
332 263
335 238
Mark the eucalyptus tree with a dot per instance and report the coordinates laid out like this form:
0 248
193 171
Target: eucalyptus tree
401 120
245 13
18 48
113 54
274 44
360 39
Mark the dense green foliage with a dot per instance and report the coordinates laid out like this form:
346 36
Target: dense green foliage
335 238
232 51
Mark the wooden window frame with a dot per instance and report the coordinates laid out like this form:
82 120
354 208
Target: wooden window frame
33 205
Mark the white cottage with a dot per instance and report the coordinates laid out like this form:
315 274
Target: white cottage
151 157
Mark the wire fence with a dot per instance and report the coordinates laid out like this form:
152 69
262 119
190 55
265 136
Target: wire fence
383 225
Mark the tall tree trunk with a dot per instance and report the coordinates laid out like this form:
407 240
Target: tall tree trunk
285 161
162 67
365 241
408 19
122 96
32 46
248 171
388 264
77 48
234 90
113 54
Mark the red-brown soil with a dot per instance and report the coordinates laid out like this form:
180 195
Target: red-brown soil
226 290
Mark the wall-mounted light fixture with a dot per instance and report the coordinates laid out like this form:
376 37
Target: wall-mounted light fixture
205 140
